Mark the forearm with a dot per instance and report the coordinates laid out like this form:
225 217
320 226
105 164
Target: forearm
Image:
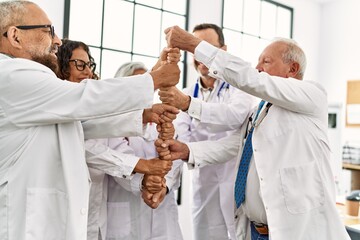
214 152
114 163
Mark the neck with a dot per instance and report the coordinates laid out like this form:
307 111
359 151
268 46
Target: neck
207 82
7 54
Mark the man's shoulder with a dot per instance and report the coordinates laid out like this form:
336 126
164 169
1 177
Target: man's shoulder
8 64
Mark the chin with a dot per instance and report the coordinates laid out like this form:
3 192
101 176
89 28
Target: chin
204 74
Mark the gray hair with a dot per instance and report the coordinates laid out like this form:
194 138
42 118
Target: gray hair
294 53
12 13
127 69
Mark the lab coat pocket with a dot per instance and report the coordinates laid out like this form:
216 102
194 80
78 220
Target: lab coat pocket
46 214
302 188
4 204
119 220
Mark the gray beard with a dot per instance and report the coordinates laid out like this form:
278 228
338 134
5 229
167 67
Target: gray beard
49 62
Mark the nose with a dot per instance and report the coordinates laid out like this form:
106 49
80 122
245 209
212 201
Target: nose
57 40
88 71
259 67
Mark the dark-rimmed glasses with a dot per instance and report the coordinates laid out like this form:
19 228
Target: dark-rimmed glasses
28 27
80 64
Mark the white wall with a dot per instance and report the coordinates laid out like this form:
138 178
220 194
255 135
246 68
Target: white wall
340 51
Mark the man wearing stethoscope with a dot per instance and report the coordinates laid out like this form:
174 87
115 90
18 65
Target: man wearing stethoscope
212 109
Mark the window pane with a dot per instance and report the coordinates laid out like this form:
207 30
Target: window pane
263 43
95 53
153 3
111 61
147 31
263 20
118 27
148 61
233 15
283 23
268 20
233 41
170 20
252 17
177 6
81 28
251 49
180 84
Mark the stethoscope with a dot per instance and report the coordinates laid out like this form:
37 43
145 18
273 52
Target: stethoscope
255 121
197 87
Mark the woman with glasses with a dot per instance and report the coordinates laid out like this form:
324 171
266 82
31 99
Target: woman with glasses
105 157
75 61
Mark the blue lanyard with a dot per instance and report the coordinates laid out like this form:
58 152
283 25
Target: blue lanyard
222 86
196 89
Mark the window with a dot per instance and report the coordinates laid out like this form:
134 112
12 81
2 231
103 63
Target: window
118 31
250 27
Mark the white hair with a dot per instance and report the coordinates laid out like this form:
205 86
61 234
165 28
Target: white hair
294 53
128 69
12 13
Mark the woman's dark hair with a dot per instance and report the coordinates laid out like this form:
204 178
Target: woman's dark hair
64 54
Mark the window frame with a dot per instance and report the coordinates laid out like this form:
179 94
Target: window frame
243 34
101 48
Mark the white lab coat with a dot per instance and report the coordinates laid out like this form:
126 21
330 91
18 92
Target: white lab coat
128 216
105 157
213 186
44 180
291 151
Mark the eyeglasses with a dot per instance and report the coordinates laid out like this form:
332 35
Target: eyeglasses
28 27
80 64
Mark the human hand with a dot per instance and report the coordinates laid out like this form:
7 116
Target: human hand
153 166
166 75
166 130
177 37
153 200
168 55
159 113
174 97
172 149
153 183
171 55
166 112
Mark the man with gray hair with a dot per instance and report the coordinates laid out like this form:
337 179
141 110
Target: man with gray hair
284 187
44 180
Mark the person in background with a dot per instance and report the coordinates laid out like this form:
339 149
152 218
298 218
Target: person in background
75 62
131 69
44 180
285 186
129 216
211 109
105 157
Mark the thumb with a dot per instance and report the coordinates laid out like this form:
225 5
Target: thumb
167 30
156 197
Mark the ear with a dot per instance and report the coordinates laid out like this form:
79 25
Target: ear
294 69
13 35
